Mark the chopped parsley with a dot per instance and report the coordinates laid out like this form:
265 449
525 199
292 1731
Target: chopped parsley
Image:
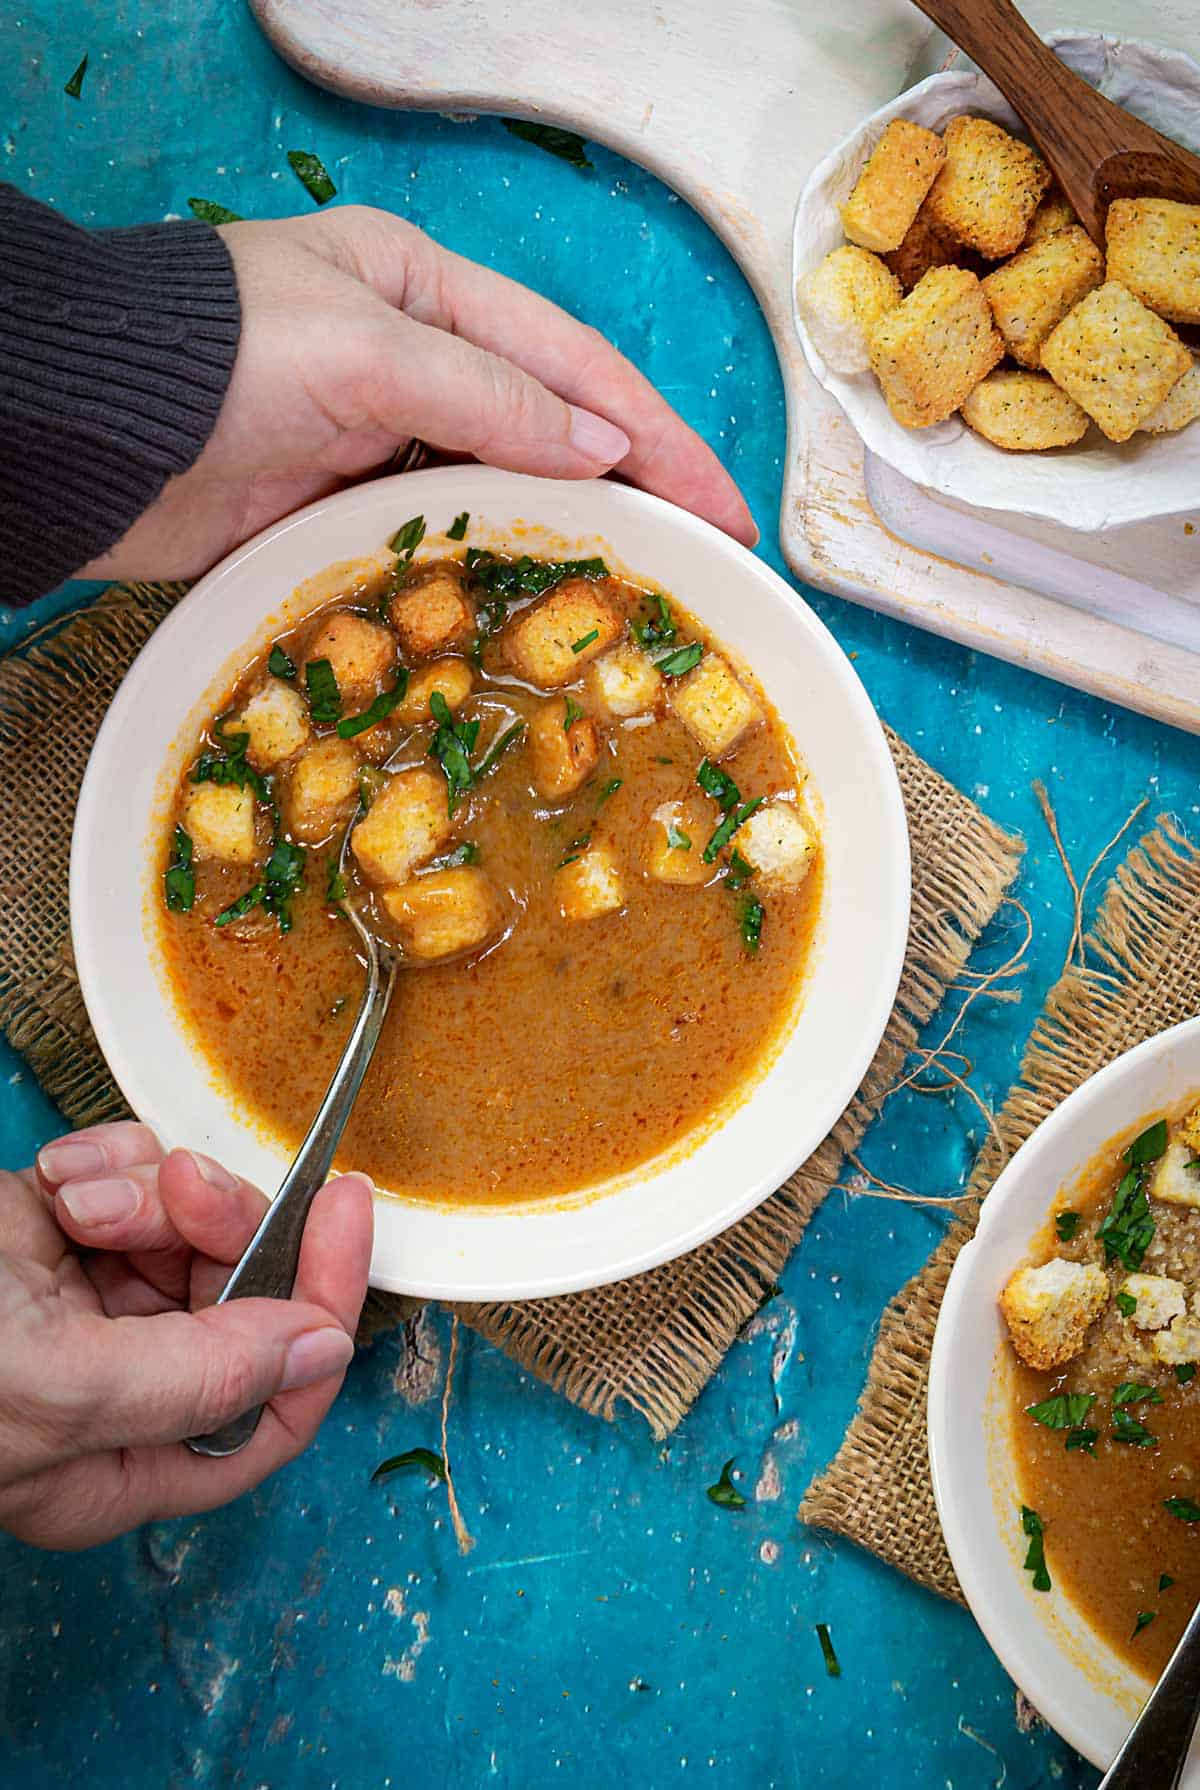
370 781
573 713
1128 1429
335 883
1144 1619
1126 1304
568 146
1165 1581
324 697
610 789
281 878
575 851
718 784
1132 1392
833 1667
676 839
577 646
230 765
1035 1554
312 174
1149 1146
497 749
1066 1224
458 527
433 1464
452 746
1185 1371
526 577
179 879
752 924
739 872
237 910
1186 1509
681 660
655 630
725 1493
1066 1411
1128 1229
729 826
378 711
74 87
1082 1439
466 853
725 792
279 665
408 538
209 212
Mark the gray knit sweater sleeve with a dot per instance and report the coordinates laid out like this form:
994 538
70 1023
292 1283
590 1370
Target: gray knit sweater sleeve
116 348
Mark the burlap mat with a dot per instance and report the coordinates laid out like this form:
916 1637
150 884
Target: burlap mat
652 1342
1139 973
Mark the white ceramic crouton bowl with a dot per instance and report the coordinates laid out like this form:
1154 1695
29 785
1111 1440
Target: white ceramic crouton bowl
1069 1675
671 1205
1097 484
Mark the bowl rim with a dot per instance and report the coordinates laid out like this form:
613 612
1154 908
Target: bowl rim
517 494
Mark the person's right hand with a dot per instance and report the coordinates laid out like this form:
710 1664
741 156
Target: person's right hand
358 333
112 1350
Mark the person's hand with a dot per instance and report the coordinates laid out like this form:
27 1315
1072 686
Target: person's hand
112 1350
358 333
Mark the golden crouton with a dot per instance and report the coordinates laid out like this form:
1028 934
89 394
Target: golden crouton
276 718
563 745
550 644
1158 1300
361 653
1054 213
432 613
777 844
990 187
900 171
840 303
1050 1310
1188 1131
1154 250
1180 407
927 244
453 677
1024 411
1179 1344
1176 1181
406 824
1033 292
1115 358
219 818
589 885
624 682
676 838
935 347
713 706
444 912
322 790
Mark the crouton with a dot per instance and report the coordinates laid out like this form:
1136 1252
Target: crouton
550 644
1115 358
1049 1310
564 747
453 677
590 885
1054 213
935 347
841 301
276 718
1159 1300
990 187
432 613
1180 407
219 819
1154 250
713 706
624 682
1033 292
362 655
675 842
444 912
408 821
927 244
889 192
1176 1178
777 844
1023 412
322 790
1179 1344
1187 1131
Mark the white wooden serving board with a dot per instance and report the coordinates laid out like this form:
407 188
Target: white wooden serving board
732 102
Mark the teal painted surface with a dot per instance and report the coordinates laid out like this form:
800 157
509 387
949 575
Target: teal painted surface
610 1622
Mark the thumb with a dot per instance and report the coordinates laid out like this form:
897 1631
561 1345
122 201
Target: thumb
468 401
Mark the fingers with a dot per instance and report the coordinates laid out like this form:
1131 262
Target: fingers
99 1151
450 294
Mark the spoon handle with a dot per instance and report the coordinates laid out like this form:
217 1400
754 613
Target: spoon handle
1156 1749
268 1266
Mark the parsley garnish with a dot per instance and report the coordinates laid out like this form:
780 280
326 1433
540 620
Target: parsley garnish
1149 1146
230 765
433 1464
1035 1556
466 853
281 880
324 697
279 665
1186 1509
312 173
677 840
739 872
1185 1371
1131 1392
575 850
458 527
573 713
752 924
74 87
832 1664
1066 1411
610 789
209 212
1082 1439
179 879
370 781
526 577
721 786
1126 1304
237 910
1066 1224
452 746
1165 1581
379 710
681 660
725 1493
568 146
1144 1619
655 630
577 646
495 751
335 883
729 826
408 538
1128 1429
718 784
1128 1230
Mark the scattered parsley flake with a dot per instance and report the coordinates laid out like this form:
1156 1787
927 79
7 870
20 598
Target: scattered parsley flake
1127 1429
279 665
752 917
408 538
577 646
1065 1411
466 853
209 212
1165 1581
1083 1439
1066 1224
724 1492
610 789
573 713
497 749
378 711
452 746
324 697
1035 1556
335 883
179 879
433 1464
683 659
74 87
1132 1392
1186 1509
832 1664
1149 1146
1185 1371
1144 1619
677 840
458 527
1126 1304
568 146
312 174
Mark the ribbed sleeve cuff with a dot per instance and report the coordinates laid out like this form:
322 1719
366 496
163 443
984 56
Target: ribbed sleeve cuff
116 349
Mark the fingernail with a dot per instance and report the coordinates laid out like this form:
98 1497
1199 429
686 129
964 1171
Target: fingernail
314 1356
596 438
101 1202
213 1173
69 1157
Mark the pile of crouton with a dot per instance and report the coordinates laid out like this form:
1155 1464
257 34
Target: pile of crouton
968 284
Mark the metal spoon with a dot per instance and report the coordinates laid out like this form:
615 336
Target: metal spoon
268 1266
1156 1749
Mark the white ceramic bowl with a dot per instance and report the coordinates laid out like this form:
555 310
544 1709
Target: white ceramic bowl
1090 486
1076 1682
669 1206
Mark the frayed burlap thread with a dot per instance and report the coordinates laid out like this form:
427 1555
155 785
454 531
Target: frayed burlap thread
1138 975
651 1343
